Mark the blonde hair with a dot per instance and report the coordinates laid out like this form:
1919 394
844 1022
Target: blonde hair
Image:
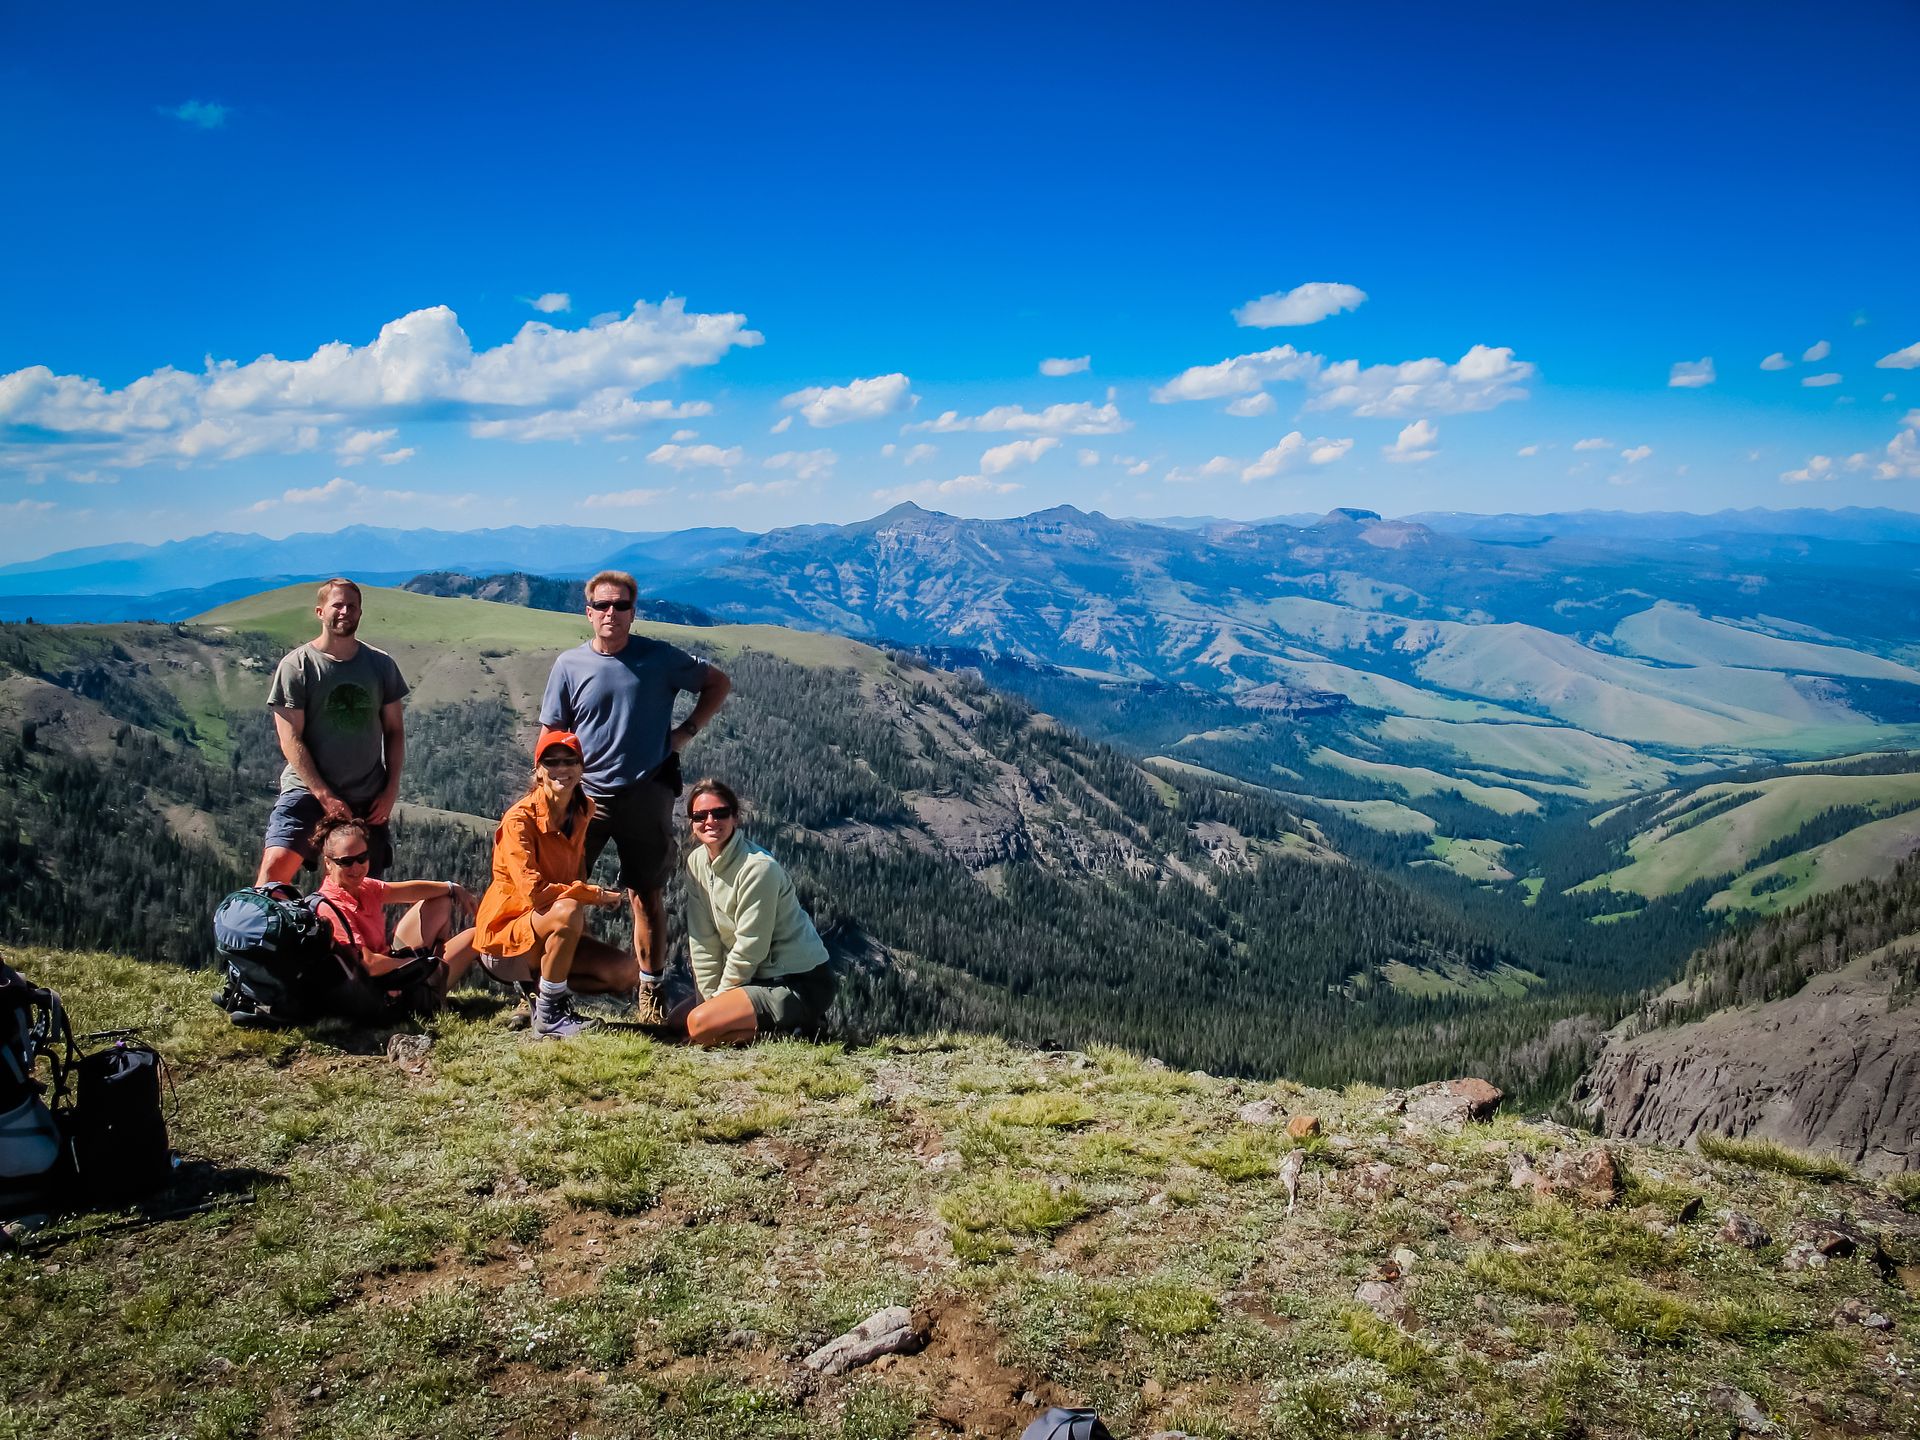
339 582
614 577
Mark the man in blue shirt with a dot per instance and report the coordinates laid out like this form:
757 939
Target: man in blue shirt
617 692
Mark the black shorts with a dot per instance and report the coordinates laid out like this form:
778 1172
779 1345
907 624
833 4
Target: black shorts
639 822
296 815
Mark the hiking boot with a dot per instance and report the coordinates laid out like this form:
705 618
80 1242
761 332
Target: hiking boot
557 1020
647 1009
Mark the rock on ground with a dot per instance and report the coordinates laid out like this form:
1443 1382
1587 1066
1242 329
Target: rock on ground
885 1332
1450 1104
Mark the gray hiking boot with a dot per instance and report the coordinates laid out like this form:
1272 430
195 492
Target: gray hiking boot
647 1009
555 1019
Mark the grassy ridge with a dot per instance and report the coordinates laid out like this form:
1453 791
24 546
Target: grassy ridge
615 1237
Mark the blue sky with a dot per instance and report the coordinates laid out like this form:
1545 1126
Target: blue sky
1512 226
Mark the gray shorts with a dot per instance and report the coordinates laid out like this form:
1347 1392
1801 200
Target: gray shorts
789 1003
296 815
639 822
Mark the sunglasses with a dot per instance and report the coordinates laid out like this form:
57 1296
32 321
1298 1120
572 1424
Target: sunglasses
343 861
619 607
713 816
551 761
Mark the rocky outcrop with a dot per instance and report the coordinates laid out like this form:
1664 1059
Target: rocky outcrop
1834 1069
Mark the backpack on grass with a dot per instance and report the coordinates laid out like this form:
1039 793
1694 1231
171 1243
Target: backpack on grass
35 1168
284 966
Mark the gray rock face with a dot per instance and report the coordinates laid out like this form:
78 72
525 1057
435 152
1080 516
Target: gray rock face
1834 1069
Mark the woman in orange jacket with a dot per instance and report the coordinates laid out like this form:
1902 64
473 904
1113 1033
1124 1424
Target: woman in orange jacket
531 927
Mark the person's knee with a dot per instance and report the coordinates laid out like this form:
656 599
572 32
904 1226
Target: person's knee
568 914
705 1026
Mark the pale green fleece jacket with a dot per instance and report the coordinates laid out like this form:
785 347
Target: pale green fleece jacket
744 922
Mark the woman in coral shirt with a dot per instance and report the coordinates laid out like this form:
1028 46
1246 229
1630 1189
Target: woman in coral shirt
531 929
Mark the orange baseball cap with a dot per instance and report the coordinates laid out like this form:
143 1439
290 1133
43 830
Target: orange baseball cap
550 738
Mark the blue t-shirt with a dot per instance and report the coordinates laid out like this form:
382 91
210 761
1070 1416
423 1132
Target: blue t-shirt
621 706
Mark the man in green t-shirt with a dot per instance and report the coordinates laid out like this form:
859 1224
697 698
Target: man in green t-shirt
336 707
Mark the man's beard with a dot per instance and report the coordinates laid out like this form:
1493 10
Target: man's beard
343 627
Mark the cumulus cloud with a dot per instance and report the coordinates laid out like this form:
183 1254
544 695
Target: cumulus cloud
1819 350
959 485
1303 305
546 380
357 445
1238 375
624 499
1817 382
1528 450
1293 449
1593 442
26 507
397 457
805 464
1482 378
746 489
1082 417
681 436
1002 458
1776 361
1691 374
1637 454
916 454
554 302
1414 444
824 405
1074 366
1903 451
1907 359
1088 458
1818 467
695 457
198 114
612 414
90 477
1249 407
1218 468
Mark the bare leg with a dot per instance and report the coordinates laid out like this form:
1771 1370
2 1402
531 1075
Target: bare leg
598 968
427 923
559 928
278 865
726 1019
650 930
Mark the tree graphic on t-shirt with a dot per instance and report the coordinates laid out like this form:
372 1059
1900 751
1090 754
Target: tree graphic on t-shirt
349 707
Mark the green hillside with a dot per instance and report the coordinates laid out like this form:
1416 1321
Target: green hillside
613 1237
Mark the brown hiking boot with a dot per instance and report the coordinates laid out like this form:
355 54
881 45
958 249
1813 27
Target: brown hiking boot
647 1009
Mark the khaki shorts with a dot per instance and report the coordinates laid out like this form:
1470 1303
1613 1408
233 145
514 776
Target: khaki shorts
789 1003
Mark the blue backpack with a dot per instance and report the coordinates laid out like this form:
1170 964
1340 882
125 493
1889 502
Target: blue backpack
1060 1423
282 964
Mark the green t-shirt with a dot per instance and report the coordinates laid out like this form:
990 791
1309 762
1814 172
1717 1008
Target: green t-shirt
342 700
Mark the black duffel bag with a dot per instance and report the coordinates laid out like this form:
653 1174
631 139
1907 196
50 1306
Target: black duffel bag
118 1124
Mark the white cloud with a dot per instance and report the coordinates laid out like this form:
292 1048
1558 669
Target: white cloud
1903 451
696 457
1776 361
1637 454
1907 359
1818 467
1819 350
1816 382
1238 375
1479 380
200 114
1414 444
1002 458
1859 460
26 507
746 489
782 425
1528 450
1075 366
823 405
554 302
1888 398
918 453
1219 467
90 477
959 485
1249 407
1593 442
1292 450
1139 467
624 499
1303 305
545 380
341 493
805 464
398 457
612 414
680 437
357 445
1082 417
1691 374
1088 458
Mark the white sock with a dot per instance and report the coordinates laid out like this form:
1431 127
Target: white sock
552 989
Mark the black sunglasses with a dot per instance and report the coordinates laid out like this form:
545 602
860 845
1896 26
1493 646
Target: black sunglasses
345 860
718 812
620 607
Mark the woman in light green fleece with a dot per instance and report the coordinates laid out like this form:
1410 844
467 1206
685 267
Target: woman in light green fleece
757 959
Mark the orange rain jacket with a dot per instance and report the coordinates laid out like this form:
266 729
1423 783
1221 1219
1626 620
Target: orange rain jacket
534 864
